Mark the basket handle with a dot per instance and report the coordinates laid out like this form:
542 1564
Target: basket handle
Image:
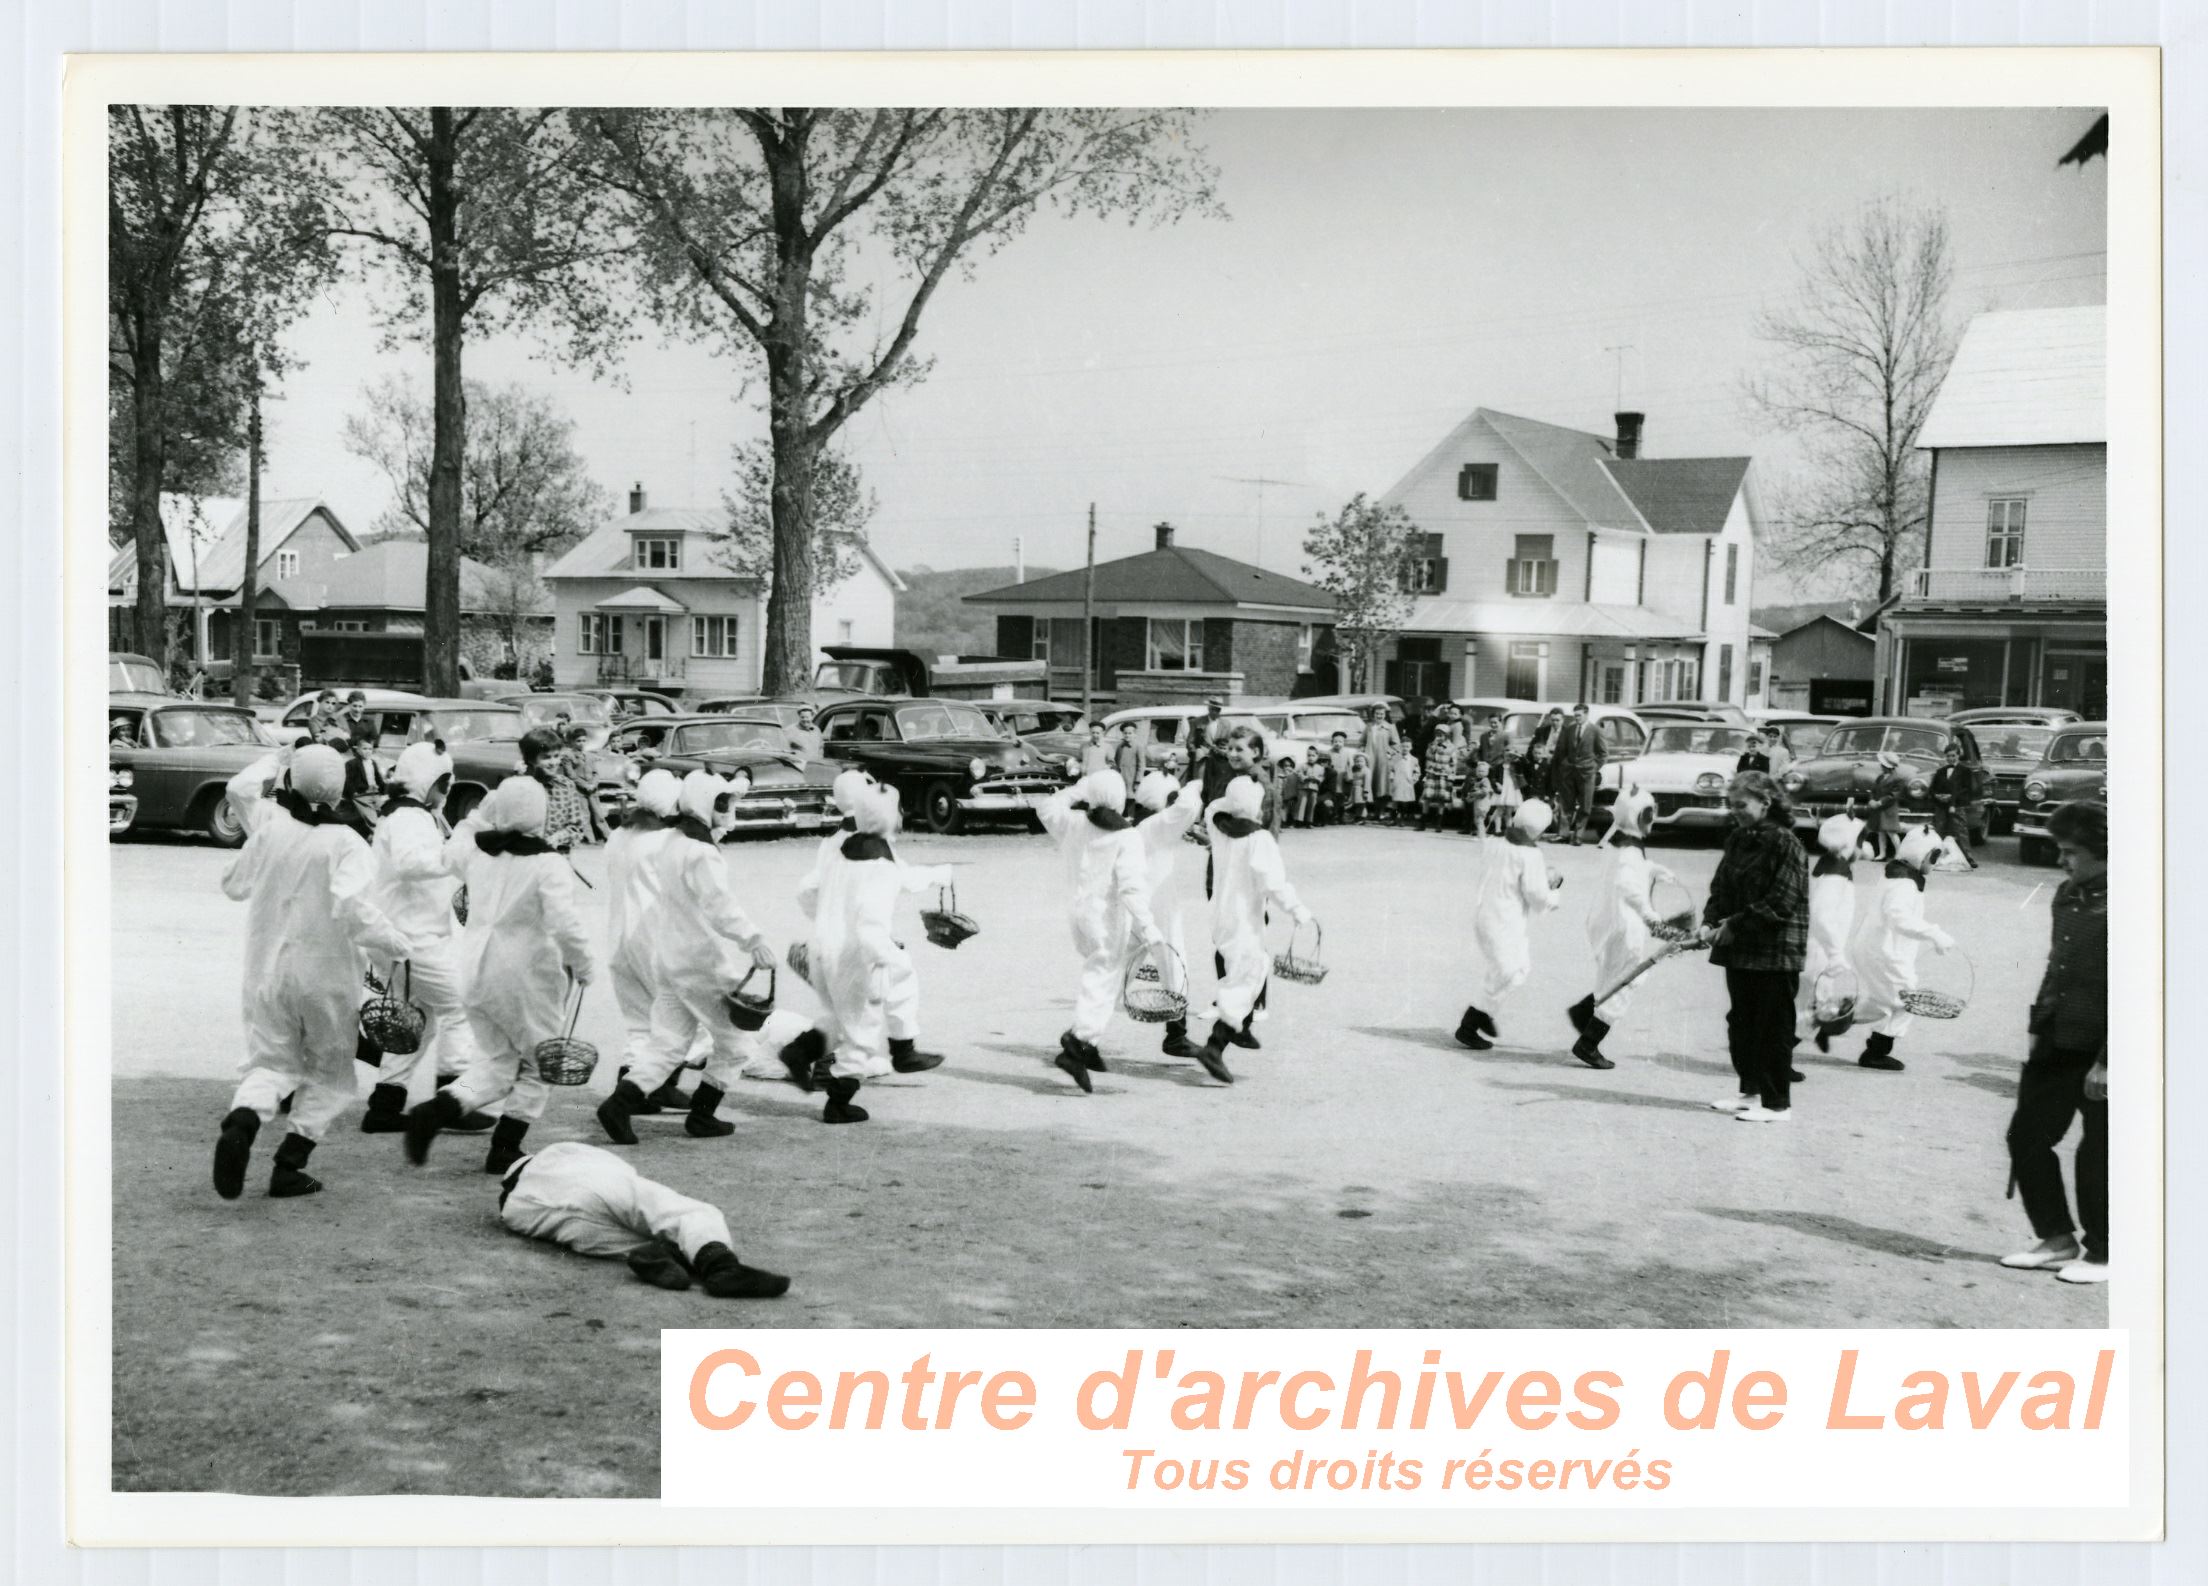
406 967
753 974
1160 952
946 898
574 1004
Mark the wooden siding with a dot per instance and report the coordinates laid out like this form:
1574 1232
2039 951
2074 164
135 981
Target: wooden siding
2065 519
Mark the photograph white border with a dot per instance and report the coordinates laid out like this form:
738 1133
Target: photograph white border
2126 81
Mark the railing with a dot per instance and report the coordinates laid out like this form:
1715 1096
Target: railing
631 668
2009 583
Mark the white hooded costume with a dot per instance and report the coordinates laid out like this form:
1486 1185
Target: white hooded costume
1624 905
1885 948
413 888
1174 807
595 1204
694 936
1831 915
523 942
1107 884
853 954
1510 881
632 886
311 926
1247 875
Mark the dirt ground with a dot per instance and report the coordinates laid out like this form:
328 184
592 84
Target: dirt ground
1364 1172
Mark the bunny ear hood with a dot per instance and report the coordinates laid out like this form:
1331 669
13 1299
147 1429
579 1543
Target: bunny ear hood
1532 818
1918 847
701 790
1103 790
659 792
517 805
1156 790
1632 815
318 774
876 814
851 790
1839 834
419 768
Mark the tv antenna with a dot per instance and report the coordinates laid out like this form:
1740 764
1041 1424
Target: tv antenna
1261 482
1618 353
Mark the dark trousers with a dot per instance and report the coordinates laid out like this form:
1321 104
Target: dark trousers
1759 1030
2049 1093
1575 797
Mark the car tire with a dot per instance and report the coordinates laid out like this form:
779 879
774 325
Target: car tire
2035 851
219 821
939 807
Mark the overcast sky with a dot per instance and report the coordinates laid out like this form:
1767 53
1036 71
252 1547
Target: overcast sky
1380 274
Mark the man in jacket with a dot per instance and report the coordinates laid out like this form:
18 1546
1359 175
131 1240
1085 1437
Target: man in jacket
1577 766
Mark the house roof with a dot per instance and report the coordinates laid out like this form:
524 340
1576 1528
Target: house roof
606 552
1571 462
1680 495
389 575
1553 619
642 598
217 525
1847 628
2025 377
1178 575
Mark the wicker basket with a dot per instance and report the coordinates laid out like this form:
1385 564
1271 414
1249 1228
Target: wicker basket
747 1009
1943 1002
1678 925
1290 965
1833 997
394 1024
1150 998
946 927
563 1060
800 960
460 904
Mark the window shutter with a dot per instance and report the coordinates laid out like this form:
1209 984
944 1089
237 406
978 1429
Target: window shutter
1441 575
1391 676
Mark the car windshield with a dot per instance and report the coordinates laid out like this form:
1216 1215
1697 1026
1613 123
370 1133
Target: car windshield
135 677
1060 721
717 736
918 723
858 676
1697 737
1925 743
1320 728
1804 737
200 729
2013 743
546 710
468 726
2079 748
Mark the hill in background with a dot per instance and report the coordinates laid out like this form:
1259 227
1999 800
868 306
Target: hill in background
1782 619
933 617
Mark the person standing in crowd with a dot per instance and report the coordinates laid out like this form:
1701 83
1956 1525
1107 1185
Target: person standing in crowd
327 709
1579 759
364 790
1505 794
1096 754
567 818
1341 780
1382 744
1756 757
1510 883
1127 756
1950 794
1444 770
1540 753
1402 786
805 736
1886 794
356 711
1287 790
1757 924
1885 950
2066 1072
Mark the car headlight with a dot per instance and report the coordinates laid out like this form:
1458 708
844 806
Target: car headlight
1918 790
1709 782
1794 781
121 777
977 768
2035 792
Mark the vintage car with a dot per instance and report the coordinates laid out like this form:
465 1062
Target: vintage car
134 674
291 725
1165 732
1844 770
2021 715
590 710
631 703
788 793
173 759
1050 729
945 760
2012 751
1691 710
2075 766
783 710
1800 736
1686 766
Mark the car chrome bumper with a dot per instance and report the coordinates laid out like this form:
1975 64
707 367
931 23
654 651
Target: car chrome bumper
2032 822
122 809
1706 809
999 803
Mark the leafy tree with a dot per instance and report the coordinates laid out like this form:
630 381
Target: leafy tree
809 243
1861 355
525 491
485 222
842 507
1366 557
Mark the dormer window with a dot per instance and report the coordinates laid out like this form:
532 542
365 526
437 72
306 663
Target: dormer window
660 554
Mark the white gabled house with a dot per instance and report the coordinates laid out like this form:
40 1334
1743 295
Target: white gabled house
1563 565
646 600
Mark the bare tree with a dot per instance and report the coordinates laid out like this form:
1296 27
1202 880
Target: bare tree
525 491
487 224
771 230
512 595
1861 355
1366 557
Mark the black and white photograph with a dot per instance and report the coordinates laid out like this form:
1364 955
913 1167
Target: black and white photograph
1086 717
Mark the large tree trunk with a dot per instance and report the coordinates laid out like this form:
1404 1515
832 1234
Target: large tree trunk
789 647
448 421
149 457
249 590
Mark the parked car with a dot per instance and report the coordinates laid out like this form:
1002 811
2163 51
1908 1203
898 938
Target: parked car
1801 735
292 722
783 710
2074 766
1047 728
788 792
172 760
2013 751
1691 710
1164 732
1845 768
633 702
134 674
591 711
945 760
2021 715
1686 766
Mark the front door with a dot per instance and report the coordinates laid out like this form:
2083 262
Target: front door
655 639
2076 680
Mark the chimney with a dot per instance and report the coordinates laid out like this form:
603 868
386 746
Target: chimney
636 498
1629 434
1165 536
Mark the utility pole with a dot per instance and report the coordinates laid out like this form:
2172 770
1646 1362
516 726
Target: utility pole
241 668
1088 623
1019 559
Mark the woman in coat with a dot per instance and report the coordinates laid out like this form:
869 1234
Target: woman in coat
1886 795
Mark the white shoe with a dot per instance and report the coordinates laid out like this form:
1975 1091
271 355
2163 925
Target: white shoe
1757 1112
1733 1104
2083 1271
2043 1257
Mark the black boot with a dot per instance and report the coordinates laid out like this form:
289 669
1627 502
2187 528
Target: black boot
1468 1030
669 1097
234 1151
1582 1014
652 1103
661 1265
907 1058
366 1051
467 1122
702 1124
1246 1037
289 1177
1176 1042
1588 1048
841 1108
617 1109
726 1278
1878 1052
505 1144
386 1112
425 1122
801 1054
1212 1054
1069 1059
